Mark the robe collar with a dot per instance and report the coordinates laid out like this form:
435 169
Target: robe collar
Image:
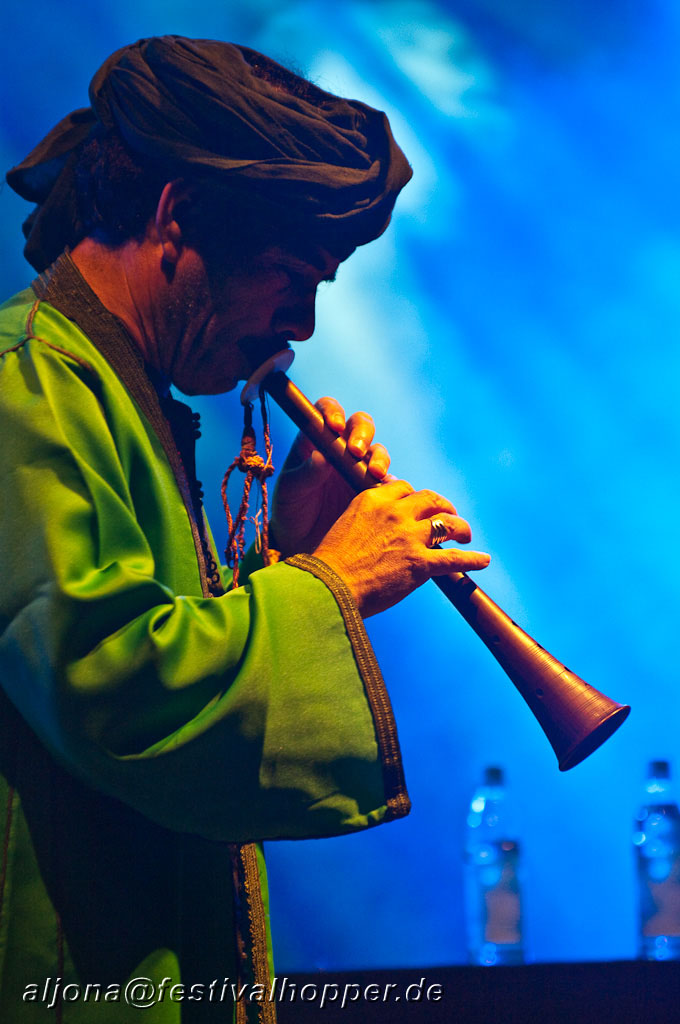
63 287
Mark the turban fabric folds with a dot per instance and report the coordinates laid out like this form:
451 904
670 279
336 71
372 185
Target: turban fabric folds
206 110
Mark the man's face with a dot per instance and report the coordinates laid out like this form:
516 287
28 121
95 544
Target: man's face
230 320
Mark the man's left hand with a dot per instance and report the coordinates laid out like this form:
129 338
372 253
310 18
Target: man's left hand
310 494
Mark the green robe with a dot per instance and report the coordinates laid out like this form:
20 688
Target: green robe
151 735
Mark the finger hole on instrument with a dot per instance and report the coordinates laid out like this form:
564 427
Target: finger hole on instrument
333 413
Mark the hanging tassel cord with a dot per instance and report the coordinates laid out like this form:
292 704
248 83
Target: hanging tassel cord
254 467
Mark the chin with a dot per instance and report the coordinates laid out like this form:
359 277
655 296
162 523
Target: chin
213 385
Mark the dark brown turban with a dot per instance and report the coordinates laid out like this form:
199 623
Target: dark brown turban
201 109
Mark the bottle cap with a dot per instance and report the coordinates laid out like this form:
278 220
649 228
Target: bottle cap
659 770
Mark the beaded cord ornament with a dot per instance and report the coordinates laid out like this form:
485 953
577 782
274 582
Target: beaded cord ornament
249 462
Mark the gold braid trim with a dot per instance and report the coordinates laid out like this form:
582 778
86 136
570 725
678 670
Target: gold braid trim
396 797
253 950
257 919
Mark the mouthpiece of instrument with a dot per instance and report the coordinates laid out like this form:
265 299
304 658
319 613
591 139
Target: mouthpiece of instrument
279 361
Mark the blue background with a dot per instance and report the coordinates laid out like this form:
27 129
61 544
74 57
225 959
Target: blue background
515 336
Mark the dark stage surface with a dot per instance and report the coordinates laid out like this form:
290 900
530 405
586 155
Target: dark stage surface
572 993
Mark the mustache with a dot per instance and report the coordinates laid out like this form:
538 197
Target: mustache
257 349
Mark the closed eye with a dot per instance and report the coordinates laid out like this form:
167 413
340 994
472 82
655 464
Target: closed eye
300 278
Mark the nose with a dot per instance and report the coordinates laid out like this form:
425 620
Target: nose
297 320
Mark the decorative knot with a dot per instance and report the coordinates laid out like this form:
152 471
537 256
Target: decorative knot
249 462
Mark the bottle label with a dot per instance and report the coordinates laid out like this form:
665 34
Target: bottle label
501 896
494 901
660 896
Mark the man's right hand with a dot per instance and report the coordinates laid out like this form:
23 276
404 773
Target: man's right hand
379 545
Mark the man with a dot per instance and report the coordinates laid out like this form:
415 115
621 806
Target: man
157 725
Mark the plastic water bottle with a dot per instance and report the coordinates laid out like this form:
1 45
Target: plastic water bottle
656 838
493 903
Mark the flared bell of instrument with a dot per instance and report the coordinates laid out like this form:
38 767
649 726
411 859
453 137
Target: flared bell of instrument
575 716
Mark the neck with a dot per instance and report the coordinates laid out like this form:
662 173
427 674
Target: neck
120 278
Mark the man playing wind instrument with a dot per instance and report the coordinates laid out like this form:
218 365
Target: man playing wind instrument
157 722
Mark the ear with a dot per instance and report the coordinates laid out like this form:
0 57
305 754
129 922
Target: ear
167 226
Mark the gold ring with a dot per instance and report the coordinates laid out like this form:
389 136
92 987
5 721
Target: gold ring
438 533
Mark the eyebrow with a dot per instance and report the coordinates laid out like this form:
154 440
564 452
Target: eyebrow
312 259
312 253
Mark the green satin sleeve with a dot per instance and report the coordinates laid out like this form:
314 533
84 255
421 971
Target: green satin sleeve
240 717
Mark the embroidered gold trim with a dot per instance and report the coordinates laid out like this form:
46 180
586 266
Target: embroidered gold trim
397 799
257 920
240 1016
